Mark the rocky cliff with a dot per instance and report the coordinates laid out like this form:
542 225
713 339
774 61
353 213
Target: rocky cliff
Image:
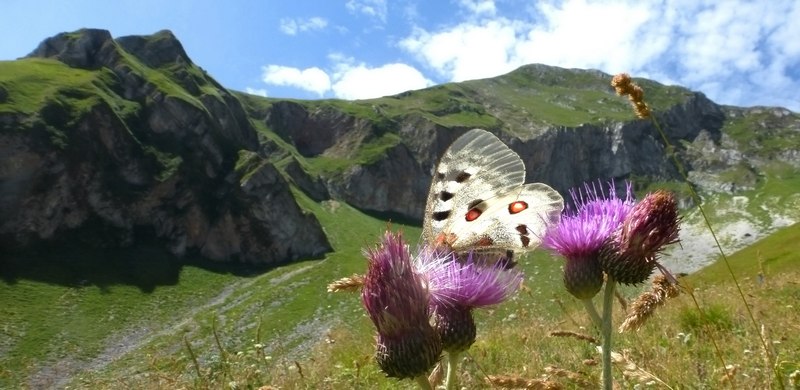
122 140
127 136
578 132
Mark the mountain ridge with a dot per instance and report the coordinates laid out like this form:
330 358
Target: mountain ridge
375 154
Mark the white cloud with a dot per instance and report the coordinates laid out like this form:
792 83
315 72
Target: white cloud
256 91
373 8
466 51
290 26
349 79
311 79
733 51
479 7
363 82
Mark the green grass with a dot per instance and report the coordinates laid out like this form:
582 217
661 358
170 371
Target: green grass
43 322
774 254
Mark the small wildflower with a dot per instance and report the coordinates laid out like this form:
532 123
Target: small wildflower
579 237
629 256
397 301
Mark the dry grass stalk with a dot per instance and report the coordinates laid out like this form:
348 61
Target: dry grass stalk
622 301
647 303
566 333
624 86
437 375
631 370
351 283
516 382
577 378
768 354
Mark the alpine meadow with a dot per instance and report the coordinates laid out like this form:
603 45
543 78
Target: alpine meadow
160 231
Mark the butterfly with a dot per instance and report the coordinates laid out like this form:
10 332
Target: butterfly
478 199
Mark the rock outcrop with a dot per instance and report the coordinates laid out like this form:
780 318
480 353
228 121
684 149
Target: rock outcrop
149 150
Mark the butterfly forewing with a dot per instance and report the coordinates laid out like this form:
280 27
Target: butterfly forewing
477 165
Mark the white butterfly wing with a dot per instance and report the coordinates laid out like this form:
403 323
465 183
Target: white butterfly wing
476 165
513 220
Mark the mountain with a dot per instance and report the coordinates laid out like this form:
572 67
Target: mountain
115 141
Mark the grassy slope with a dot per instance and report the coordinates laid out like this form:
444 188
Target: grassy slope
323 340
286 310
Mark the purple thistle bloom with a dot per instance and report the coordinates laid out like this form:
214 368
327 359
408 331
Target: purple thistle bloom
459 285
580 235
397 301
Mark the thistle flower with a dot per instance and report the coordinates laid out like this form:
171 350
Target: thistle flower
460 285
630 255
396 298
579 236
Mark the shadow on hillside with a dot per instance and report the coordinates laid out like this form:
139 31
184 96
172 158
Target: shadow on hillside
391 217
146 266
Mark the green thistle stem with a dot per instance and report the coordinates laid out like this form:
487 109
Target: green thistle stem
423 382
451 381
588 304
608 303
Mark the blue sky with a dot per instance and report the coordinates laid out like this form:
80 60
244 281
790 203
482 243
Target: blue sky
742 53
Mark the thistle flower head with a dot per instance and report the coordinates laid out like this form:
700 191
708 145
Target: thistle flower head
459 285
630 254
396 298
472 281
580 235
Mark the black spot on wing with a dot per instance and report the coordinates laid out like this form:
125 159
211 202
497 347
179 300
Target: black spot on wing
522 229
444 196
462 177
441 215
475 203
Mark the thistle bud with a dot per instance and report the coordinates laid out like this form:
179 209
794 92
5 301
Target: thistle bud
630 254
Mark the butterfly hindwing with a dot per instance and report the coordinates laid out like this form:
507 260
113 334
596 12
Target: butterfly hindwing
514 220
476 165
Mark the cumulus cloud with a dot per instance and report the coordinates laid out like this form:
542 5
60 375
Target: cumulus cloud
256 91
348 79
311 79
730 50
292 26
363 82
373 8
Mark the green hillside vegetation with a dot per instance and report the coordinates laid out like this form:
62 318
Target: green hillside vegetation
324 340
210 327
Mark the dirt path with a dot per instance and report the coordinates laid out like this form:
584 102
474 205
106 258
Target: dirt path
59 372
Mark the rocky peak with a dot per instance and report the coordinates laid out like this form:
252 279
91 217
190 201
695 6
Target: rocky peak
157 50
86 48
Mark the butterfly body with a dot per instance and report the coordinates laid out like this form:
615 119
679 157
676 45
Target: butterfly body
478 199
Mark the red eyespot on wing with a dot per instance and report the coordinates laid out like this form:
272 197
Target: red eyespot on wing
473 214
517 207
485 241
